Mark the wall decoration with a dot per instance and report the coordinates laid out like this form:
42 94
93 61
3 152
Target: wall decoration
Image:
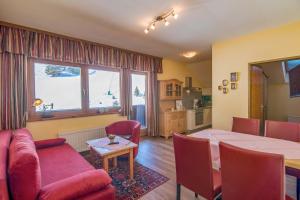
225 82
225 90
220 87
234 76
233 86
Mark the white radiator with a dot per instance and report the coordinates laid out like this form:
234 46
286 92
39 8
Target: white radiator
293 118
77 139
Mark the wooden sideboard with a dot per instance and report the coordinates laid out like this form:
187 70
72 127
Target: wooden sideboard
172 122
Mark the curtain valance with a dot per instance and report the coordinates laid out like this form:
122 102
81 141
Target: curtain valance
42 45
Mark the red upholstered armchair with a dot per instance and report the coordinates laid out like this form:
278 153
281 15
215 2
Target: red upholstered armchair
128 129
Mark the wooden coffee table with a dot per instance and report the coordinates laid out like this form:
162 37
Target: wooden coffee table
105 151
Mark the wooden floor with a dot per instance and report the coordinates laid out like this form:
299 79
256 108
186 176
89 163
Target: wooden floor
157 154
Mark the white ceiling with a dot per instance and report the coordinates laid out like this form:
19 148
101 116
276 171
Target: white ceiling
121 22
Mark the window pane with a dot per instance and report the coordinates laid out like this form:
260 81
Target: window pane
138 95
104 89
57 85
138 89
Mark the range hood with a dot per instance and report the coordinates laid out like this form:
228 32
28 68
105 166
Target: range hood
189 85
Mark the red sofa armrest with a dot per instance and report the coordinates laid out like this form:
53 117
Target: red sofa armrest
76 186
49 143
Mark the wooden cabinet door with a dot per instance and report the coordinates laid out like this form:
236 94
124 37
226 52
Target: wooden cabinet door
181 122
172 123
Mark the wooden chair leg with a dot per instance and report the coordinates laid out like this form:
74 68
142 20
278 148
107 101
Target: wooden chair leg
196 195
178 192
298 188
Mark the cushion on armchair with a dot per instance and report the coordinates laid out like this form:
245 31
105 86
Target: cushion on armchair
24 169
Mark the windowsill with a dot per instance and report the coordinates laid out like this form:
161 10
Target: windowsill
63 116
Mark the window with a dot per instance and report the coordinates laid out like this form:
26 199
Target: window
293 69
58 86
138 97
64 90
104 89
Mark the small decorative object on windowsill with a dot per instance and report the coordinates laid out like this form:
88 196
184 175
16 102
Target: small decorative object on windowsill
46 113
220 87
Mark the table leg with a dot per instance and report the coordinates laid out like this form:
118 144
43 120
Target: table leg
115 161
105 164
298 188
131 163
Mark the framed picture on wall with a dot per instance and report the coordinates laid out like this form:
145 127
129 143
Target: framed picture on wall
234 77
233 86
225 82
225 90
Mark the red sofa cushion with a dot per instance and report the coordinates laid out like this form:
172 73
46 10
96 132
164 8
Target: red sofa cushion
60 162
49 143
83 184
5 137
24 169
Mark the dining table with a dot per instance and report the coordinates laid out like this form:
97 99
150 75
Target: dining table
290 150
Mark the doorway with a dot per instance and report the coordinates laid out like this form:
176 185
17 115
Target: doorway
275 91
139 98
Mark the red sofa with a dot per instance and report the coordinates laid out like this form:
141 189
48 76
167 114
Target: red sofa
47 169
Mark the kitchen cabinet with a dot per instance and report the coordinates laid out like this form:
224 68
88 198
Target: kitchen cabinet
170 89
172 122
207 116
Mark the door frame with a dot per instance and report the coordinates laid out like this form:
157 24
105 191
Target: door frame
257 63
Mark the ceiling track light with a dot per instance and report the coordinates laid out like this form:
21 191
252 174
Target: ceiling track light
161 18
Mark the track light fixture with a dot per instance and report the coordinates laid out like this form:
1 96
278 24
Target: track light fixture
161 18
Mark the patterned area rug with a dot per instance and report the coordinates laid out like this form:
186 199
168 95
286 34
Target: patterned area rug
145 179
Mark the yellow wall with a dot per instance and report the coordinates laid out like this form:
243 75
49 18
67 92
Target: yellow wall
50 128
234 55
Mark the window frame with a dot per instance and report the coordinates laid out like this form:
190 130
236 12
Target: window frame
72 113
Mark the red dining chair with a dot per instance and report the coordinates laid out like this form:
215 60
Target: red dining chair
282 130
194 167
245 125
251 175
128 129
286 131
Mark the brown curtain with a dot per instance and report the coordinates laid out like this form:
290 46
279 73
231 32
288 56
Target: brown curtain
13 90
41 45
152 105
125 92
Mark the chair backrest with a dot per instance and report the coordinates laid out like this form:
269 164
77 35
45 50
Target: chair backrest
283 130
245 125
122 127
126 127
251 175
193 164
